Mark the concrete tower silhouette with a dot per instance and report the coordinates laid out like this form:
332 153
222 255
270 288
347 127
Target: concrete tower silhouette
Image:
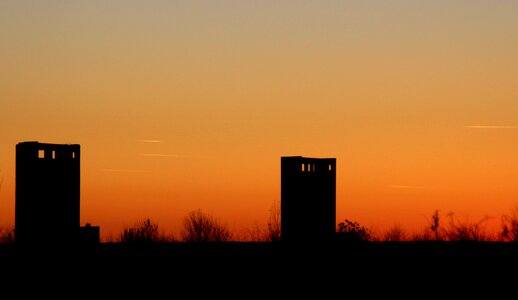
308 198
47 193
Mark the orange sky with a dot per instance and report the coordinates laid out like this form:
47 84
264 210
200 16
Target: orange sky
179 106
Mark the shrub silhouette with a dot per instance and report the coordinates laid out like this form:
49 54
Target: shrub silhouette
466 231
352 231
430 232
395 234
201 227
509 231
435 224
145 231
425 235
6 235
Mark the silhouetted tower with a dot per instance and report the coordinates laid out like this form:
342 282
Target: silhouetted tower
308 198
47 193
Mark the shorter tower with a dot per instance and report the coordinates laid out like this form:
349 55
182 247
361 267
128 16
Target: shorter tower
47 193
308 199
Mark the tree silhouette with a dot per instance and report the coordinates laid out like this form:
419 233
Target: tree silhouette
272 232
353 231
145 231
201 227
256 234
7 233
274 223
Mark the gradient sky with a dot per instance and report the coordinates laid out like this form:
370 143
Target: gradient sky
180 105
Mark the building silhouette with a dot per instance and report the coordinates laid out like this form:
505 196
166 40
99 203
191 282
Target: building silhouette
308 199
47 193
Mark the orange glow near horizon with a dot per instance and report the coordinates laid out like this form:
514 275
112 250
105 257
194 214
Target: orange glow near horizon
179 106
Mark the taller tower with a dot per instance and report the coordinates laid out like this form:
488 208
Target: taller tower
308 198
47 192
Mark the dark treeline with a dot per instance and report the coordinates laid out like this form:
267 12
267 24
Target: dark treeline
199 226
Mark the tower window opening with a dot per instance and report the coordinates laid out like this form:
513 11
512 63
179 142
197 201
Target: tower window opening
303 165
41 153
53 154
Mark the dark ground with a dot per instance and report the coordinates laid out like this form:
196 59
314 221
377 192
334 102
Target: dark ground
269 268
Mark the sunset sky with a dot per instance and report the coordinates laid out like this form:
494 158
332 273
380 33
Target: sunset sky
180 105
